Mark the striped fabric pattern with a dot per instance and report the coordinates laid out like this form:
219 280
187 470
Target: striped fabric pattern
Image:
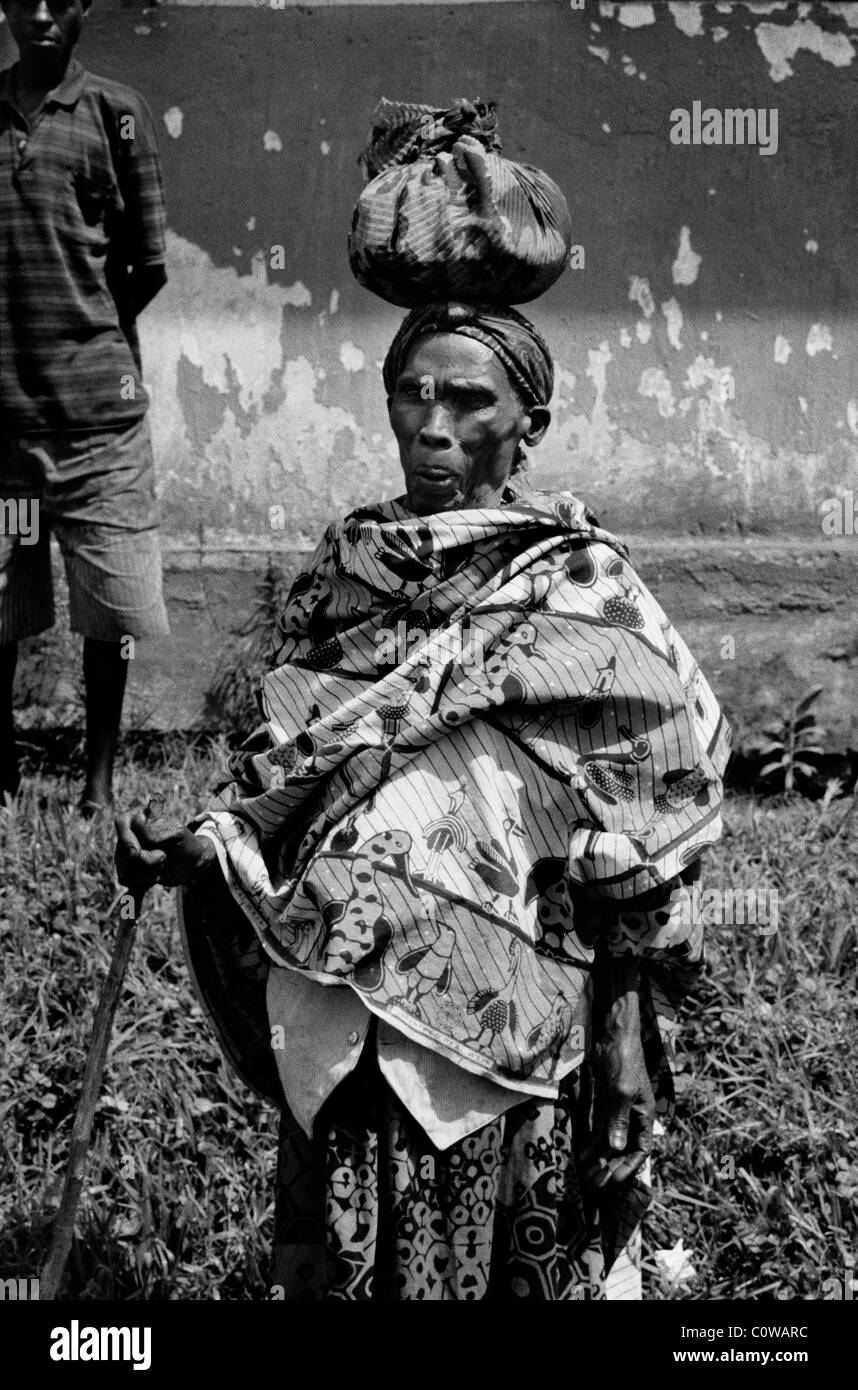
81 200
444 827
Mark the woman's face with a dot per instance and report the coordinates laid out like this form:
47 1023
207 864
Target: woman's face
458 424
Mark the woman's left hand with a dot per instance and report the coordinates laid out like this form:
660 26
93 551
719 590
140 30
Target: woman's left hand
624 1104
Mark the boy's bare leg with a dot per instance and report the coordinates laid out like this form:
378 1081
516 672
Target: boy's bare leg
9 775
105 670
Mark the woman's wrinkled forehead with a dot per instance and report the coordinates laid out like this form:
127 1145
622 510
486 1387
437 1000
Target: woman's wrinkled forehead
446 355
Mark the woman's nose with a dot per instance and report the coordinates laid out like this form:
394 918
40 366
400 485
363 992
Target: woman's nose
436 431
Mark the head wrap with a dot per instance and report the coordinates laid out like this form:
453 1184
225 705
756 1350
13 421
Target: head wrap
511 337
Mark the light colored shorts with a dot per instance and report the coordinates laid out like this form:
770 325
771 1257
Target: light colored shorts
96 495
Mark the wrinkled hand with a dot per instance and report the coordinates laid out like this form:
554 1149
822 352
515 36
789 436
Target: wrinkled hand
624 1104
150 851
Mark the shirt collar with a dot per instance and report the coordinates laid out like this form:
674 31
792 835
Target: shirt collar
66 92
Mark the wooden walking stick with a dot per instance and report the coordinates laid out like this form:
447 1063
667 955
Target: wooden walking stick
63 1229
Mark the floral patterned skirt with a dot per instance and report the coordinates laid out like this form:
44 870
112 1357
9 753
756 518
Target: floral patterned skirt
370 1209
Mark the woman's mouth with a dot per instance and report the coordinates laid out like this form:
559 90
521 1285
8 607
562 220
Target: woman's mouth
435 473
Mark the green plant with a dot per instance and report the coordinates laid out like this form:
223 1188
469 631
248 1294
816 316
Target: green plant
794 741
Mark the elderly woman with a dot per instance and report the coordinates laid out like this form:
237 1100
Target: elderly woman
441 916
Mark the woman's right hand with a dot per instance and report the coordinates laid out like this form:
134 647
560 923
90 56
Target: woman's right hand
624 1104
158 851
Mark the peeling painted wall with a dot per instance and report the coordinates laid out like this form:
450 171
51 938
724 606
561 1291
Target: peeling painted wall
707 349
707 380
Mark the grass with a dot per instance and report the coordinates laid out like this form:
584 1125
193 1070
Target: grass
758 1173
178 1201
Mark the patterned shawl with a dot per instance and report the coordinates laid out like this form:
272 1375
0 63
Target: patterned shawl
480 730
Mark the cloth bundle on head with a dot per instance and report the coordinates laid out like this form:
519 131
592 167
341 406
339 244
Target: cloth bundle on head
513 338
445 216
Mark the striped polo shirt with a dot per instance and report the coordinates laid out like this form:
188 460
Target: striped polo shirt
81 205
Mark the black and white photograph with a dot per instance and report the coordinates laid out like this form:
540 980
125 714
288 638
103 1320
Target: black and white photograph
428 670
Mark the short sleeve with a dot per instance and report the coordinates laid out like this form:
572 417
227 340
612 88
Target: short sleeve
138 172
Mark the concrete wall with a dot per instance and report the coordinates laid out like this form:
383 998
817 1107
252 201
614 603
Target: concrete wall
707 379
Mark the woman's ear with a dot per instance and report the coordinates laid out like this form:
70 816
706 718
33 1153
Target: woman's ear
539 417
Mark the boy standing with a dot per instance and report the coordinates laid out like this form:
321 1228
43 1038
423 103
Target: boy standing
81 254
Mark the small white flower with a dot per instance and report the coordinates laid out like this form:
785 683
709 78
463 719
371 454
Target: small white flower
674 1265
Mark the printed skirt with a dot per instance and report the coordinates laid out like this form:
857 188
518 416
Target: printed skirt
370 1209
